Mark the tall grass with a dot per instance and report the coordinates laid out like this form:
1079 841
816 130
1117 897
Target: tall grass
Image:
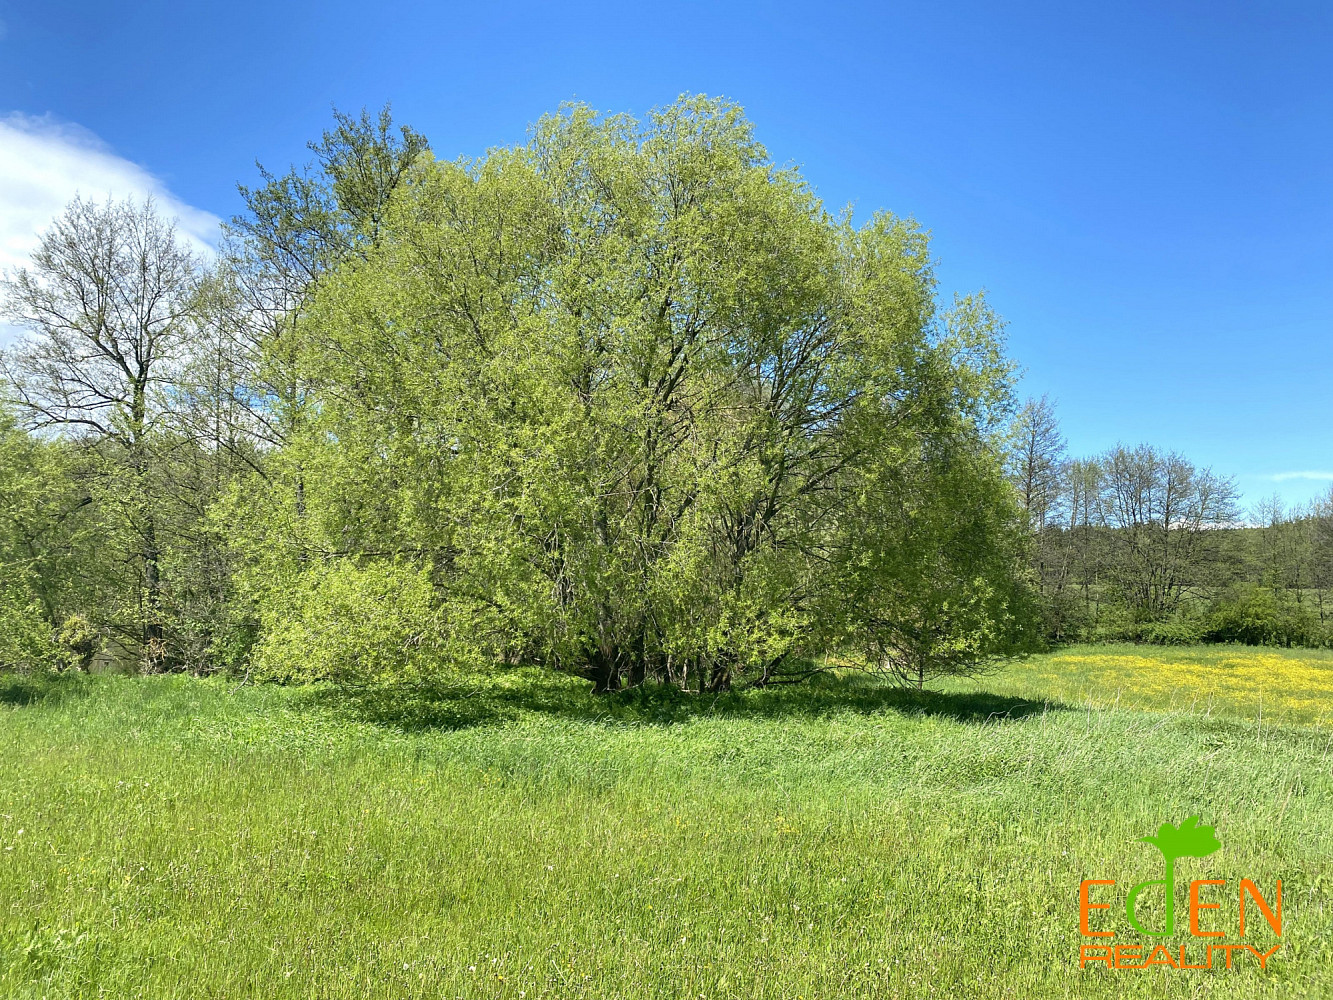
516 837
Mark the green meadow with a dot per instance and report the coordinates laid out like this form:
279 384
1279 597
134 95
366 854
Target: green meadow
514 836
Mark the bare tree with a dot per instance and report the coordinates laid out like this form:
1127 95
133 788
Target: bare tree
1321 550
1285 545
1036 460
1082 489
110 305
1162 511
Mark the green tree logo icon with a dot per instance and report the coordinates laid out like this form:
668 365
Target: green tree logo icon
1188 841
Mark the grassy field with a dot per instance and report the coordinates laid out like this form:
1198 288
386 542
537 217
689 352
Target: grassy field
170 837
1287 685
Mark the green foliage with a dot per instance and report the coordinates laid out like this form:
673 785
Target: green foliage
928 582
25 634
43 546
357 624
624 400
307 221
1065 615
78 641
1113 622
1187 627
623 390
126 456
1139 545
1256 617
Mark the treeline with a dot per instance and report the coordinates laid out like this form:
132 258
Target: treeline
1141 545
623 401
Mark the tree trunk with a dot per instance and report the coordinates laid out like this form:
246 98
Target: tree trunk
719 679
604 670
152 578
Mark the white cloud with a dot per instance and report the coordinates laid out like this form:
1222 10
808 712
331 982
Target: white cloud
1282 477
44 163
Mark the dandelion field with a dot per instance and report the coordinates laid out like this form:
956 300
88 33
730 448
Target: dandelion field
1288 685
516 837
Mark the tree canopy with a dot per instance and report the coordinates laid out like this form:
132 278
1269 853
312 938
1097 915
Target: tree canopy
629 401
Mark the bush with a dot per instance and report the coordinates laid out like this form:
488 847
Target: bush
1182 629
1111 623
357 624
1064 617
26 643
78 642
1255 617
1116 623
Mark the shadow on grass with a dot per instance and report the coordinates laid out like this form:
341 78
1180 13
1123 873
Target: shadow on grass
512 693
29 689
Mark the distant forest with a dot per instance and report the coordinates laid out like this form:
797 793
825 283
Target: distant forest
1141 545
624 401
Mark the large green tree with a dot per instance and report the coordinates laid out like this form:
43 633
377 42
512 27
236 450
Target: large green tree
624 398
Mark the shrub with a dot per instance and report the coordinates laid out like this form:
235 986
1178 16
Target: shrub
1256 617
77 642
1064 616
1111 623
26 643
1182 629
357 624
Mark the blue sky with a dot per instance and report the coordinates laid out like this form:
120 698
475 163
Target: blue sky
1146 190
